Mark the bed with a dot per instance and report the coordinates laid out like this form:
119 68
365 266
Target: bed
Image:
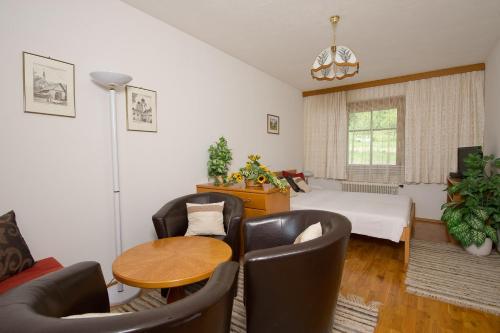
371 214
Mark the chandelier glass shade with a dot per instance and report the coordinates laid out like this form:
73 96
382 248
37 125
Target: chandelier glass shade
334 62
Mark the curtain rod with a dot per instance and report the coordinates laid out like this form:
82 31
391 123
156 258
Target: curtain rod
398 79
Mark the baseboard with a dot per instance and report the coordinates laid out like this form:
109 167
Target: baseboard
426 220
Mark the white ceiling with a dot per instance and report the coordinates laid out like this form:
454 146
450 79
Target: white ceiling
389 37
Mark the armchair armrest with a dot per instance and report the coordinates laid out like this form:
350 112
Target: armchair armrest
176 213
76 289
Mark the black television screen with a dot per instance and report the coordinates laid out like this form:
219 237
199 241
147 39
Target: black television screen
463 152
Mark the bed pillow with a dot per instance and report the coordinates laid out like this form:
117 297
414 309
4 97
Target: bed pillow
293 175
16 256
292 184
205 219
302 184
312 232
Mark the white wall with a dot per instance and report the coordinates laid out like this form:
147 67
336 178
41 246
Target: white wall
492 102
56 172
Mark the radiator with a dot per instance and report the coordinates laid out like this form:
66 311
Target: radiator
370 187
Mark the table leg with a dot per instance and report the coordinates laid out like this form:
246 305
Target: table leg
175 294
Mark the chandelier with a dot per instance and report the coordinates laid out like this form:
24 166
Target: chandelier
334 62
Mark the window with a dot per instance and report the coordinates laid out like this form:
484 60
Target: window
376 141
373 137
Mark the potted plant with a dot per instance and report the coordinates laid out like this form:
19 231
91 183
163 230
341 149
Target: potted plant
255 174
219 159
472 221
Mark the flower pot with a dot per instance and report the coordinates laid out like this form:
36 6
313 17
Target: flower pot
498 244
482 250
252 183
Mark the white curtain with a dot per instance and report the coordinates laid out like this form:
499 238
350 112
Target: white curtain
325 135
442 114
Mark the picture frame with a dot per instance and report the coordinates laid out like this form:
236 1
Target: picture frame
48 86
273 124
141 109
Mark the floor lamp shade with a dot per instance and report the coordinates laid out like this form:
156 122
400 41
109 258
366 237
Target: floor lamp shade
118 294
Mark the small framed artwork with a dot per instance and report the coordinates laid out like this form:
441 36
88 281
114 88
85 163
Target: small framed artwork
49 86
141 109
273 124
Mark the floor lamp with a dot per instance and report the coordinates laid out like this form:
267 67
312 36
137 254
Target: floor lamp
118 293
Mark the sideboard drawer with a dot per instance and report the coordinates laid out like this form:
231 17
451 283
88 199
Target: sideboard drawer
252 200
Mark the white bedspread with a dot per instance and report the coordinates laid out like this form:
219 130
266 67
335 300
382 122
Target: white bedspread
375 215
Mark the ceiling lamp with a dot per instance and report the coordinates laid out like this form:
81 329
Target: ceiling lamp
334 62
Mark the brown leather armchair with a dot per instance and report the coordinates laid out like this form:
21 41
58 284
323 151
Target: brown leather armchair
293 288
171 220
38 305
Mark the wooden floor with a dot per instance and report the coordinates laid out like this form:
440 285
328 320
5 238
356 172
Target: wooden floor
374 271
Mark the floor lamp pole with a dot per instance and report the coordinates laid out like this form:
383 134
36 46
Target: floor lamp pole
118 293
116 179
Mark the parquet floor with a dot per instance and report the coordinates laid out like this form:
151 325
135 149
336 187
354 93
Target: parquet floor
374 271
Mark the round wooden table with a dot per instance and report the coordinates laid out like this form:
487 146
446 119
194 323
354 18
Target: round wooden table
171 262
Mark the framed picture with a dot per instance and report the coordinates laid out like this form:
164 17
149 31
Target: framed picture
141 109
273 124
49 86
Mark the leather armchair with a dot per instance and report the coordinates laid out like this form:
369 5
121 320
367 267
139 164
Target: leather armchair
37 305
293 288
171 220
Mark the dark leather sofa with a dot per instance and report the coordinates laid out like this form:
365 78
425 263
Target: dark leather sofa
171 220
37 305
293 288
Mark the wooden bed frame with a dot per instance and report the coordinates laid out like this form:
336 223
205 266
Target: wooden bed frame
406 235
407 231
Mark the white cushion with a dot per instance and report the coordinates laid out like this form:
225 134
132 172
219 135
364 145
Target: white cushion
302 184
312 232
94 315
205 219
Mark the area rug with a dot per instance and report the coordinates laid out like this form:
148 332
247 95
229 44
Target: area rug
352 315
448 273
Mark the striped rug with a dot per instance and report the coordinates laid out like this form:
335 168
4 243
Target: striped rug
352 315
448 273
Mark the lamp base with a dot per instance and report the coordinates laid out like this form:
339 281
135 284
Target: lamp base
117 297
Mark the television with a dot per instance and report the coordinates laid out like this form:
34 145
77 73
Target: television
463 152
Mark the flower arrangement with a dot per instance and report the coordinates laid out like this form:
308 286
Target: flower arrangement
258 173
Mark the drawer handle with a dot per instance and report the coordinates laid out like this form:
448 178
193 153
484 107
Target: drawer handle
247 200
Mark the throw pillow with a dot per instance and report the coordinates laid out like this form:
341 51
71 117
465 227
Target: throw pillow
292 184
15 255
205 219
311 232
302 184
291 174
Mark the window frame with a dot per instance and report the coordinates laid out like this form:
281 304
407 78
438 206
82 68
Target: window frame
371 130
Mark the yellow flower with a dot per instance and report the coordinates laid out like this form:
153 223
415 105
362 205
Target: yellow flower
261 179
239 178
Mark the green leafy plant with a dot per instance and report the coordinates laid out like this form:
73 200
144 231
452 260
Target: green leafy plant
259 173
475 217
219 160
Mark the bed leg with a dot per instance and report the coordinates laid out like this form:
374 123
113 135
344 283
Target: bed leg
407 253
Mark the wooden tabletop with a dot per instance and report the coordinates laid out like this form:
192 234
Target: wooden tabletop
170 262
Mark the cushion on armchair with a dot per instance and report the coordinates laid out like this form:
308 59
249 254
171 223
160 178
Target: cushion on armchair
16 256
205 219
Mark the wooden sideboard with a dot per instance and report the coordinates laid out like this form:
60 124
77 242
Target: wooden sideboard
258 201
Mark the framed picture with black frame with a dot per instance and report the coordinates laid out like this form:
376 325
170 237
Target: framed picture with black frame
141 109
273 124
48 86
